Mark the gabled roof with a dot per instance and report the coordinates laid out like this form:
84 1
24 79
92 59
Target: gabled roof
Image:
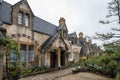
21 1
72 35
42 26
39 25
5 12
50 40
81 41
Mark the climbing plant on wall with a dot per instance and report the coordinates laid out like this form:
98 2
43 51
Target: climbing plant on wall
12 54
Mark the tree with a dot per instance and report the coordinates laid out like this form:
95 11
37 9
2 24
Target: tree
113 12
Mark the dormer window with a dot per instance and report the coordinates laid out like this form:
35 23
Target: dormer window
27 19
20 18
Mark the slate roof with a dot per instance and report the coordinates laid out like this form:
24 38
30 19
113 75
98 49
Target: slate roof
5 12
81 41
48 42
70 36
39 25
42 26
51 40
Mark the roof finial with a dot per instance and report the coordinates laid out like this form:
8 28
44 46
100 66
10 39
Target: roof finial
61 21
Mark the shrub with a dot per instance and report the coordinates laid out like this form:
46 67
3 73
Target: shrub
43 68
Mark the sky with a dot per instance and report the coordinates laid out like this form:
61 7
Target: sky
81 15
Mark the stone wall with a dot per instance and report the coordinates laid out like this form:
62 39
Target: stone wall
23 35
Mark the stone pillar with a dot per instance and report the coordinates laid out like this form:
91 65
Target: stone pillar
61 21
47 60
1 61
66 58
43 58
58 53
40 63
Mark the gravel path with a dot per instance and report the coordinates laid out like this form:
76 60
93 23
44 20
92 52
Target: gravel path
65 74
83 76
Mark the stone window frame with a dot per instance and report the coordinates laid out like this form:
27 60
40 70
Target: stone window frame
20 18
27 49
24 19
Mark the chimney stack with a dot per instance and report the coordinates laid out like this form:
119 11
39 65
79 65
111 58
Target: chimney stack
81 35
61 21
23 0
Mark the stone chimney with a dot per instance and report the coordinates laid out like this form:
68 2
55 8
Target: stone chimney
23 0
80 35
90 41
61 21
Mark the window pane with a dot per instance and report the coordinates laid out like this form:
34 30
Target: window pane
26 20
23 53
31 53
20 17
12 56
23 56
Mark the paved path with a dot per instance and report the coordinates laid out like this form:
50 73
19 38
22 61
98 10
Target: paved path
65 74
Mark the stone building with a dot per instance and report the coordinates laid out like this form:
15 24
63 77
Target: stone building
75 48
54 50
81 41
41 43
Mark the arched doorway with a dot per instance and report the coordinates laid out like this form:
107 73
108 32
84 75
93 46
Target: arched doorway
53 60
62 58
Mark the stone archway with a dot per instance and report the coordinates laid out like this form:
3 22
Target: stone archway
62 58
53 60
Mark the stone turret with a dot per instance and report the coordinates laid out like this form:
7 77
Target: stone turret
80 35
90 41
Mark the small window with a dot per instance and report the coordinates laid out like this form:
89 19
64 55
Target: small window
20 18
31 53
27 19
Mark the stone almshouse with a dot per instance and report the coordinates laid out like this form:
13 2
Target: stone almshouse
41 43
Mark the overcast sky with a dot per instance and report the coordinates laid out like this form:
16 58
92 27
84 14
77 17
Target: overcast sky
81 15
